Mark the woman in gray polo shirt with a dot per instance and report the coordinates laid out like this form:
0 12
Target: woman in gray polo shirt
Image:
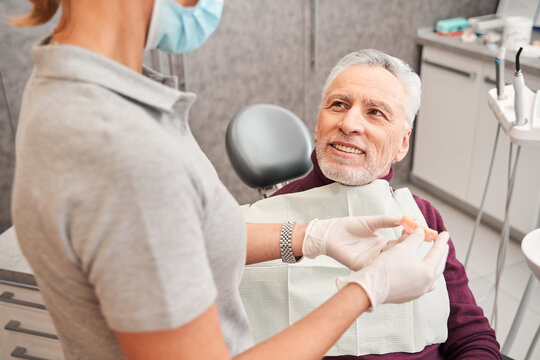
136 245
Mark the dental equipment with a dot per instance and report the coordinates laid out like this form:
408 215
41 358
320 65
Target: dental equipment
500 83
484 196
499 75
499 72
517 110
519 88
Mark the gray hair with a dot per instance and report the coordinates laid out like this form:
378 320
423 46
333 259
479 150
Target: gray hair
401 70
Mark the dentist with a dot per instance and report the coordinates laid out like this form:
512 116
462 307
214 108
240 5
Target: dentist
137 247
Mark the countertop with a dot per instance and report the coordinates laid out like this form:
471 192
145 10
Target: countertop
427 37
13 265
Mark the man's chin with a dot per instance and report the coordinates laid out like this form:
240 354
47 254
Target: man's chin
350 181
347 176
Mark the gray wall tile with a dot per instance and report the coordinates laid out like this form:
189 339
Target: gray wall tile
254 57
15 65
7 159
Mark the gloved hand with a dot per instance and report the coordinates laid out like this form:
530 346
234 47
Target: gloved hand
397 275
350 240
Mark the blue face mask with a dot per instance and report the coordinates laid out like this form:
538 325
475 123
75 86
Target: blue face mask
176 29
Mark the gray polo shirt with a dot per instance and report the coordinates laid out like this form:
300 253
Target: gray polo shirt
121 216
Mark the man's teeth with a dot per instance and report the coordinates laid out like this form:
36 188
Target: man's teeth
347 149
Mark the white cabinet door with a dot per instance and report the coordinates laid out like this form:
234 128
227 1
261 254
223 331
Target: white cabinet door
446 121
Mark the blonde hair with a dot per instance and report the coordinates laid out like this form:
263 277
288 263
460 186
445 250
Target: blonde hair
42 12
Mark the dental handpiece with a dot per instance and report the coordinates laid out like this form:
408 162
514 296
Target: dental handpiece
499 72
519 90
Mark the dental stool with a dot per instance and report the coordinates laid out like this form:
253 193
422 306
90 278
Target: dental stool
530 247
267 145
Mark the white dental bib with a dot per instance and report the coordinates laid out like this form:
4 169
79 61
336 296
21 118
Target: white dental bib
276 295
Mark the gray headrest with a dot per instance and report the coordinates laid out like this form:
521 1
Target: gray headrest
268 144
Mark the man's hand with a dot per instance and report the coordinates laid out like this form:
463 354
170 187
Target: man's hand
350 240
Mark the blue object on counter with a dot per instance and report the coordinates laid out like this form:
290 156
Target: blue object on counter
451 25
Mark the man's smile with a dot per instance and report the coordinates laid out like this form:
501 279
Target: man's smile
347 149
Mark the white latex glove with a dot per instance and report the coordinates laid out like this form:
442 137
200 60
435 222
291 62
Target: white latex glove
350 240
397 275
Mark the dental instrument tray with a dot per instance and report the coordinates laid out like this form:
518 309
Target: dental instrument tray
526 134
516 107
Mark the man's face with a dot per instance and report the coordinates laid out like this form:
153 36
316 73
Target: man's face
362 127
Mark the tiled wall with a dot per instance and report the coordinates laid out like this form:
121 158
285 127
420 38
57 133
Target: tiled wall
15 66
261 52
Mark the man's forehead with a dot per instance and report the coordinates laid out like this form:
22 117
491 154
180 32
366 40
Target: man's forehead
374 82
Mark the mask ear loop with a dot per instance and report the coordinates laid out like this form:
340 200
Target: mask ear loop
152 29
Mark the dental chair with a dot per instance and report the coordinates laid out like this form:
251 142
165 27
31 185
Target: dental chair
268 145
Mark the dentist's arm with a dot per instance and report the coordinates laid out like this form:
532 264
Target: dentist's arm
350 240
309 338
397 275
263 241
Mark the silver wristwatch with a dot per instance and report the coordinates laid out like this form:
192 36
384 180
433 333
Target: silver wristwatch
285 243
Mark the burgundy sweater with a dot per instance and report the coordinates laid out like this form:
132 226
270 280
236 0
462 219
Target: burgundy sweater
469 333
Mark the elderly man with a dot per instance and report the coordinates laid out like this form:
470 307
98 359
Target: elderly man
365 120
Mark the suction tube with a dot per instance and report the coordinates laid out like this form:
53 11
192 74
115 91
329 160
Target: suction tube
519 89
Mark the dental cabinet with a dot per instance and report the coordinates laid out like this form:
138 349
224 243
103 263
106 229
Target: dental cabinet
26 329
455 133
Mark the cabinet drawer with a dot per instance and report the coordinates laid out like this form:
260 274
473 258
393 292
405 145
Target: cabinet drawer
21 346
27 296
452 63
26 329
33 320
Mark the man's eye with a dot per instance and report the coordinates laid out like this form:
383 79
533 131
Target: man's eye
338 104
375 112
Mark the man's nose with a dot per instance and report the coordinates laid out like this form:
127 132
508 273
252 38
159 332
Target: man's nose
353 122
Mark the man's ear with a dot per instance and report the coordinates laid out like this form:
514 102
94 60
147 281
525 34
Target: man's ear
316 132
404 147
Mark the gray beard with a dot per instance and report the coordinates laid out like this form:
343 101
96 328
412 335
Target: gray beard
343 174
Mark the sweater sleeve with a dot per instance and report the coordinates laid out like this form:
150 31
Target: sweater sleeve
469 333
